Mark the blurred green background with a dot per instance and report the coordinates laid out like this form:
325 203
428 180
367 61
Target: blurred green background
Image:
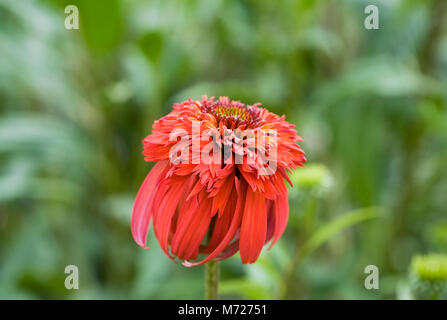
370 104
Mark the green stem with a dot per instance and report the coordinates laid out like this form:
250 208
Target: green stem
211 280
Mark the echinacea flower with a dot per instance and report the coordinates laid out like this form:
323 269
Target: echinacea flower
218 183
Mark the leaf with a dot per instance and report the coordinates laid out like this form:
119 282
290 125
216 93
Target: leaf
101 23
337 225
152 44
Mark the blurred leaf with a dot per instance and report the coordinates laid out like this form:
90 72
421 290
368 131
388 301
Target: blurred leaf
332 228
152 44
101 23
379 76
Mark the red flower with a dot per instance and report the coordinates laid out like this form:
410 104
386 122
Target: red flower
218 184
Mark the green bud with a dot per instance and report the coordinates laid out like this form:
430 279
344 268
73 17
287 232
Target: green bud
312 175
428 276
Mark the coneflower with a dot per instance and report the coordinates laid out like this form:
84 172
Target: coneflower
218 185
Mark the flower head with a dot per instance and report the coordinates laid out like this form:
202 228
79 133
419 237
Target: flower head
218 184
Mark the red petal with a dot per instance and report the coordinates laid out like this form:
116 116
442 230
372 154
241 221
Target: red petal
197 188
281 211
192 224
254 227
167 197
141 213
223 223
235 224
269 205
230 250
223 189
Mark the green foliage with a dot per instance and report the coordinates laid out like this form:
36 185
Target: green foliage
75 105
330 229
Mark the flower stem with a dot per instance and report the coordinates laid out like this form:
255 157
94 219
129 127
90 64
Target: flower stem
211 280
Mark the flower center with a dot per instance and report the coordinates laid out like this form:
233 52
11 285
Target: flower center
232 113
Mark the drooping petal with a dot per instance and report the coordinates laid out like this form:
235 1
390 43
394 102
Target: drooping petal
192 226
235 225
270 220
222 223
230 250
281 212
254 227
168 197
222 191
142 209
